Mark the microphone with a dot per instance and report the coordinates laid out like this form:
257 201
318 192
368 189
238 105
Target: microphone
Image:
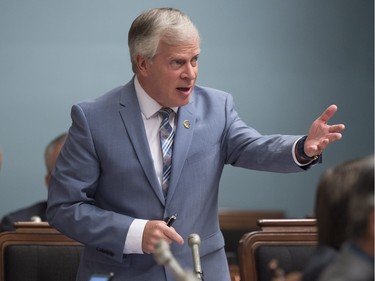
163 256
35 219
194 242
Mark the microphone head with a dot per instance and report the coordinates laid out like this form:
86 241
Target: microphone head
194 239
35 219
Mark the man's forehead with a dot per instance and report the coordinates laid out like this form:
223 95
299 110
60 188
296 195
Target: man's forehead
181 49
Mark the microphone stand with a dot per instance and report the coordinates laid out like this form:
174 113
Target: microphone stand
163 256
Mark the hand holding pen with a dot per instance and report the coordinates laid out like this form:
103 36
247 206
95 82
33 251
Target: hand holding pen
170 220
155 230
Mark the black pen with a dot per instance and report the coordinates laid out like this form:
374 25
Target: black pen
171 220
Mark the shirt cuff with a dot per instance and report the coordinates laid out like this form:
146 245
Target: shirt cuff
133 242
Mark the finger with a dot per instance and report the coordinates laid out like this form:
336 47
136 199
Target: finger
312 150
148 248
336 128
153 232
323 143
334 137
328 113
173 235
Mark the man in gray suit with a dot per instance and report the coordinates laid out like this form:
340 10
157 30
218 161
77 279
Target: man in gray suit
112 188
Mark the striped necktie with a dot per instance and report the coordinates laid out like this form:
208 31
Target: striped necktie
166 143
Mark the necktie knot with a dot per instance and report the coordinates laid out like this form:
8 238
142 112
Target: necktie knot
165 112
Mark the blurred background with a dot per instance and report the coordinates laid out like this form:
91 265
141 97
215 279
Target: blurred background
283 61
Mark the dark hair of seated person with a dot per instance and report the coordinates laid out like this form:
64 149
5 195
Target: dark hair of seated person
332 213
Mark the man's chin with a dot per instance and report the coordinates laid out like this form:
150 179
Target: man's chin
184 101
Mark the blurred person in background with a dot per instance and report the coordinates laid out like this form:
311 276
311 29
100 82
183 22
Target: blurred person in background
344 210
336 185
37 211
355 261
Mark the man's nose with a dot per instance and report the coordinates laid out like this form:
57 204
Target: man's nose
189 72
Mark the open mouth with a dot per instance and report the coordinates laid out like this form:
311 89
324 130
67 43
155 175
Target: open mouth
183 89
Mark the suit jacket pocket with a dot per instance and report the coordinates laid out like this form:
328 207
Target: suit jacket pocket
211 243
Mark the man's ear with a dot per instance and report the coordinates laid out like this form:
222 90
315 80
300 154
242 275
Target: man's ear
142 65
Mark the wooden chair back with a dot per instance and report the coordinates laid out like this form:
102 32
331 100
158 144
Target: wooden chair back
234 224
38 252
289 241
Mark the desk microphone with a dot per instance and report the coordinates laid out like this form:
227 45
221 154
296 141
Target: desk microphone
35 219
163 256
194 242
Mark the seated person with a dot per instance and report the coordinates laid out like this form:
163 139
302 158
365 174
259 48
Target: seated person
336 187
355 261
36 212
331 211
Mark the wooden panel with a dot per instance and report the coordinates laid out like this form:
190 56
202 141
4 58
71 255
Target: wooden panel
243 219
288 225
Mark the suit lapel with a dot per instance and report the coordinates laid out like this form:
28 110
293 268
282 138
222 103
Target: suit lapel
184 134
132 118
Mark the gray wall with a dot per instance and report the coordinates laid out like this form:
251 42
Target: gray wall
284 61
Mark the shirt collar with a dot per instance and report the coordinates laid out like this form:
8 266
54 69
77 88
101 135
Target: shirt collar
148 105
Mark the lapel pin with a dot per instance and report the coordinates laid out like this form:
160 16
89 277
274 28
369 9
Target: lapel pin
187 124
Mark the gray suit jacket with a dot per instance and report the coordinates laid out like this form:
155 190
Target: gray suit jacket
105 177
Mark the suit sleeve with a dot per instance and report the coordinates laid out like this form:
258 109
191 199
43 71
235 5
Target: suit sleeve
71 195
7 224
245 147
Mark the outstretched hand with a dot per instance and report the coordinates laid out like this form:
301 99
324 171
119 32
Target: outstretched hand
321 134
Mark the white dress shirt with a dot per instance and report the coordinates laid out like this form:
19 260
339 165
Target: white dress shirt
151 120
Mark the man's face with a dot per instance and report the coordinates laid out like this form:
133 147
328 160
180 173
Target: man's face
170 77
